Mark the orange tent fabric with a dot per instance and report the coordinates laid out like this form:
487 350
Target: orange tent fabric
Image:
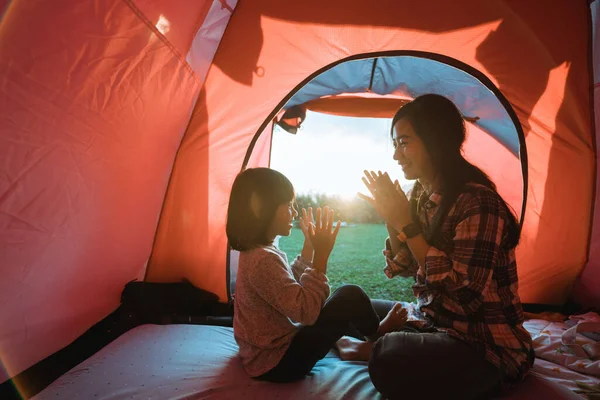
94 102
357 106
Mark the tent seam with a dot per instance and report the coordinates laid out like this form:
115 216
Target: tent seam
163 38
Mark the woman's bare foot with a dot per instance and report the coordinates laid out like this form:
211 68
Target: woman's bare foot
395 320
352 349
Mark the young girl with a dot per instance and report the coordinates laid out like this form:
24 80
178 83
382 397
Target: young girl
283 322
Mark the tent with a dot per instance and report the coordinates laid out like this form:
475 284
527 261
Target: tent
124 122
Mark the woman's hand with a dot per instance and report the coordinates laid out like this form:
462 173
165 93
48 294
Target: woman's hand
388 199
306 221
322 236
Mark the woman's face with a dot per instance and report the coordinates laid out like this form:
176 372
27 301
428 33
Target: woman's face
410 152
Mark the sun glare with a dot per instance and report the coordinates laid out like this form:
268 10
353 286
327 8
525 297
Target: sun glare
329 153
163 25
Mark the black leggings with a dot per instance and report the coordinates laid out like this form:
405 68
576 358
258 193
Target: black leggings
348 309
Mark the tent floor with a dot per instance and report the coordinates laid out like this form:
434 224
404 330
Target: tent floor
199 361
42 374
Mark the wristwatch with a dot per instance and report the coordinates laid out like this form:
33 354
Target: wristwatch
411 230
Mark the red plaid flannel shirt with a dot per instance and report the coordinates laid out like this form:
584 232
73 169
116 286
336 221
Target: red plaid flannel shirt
470 288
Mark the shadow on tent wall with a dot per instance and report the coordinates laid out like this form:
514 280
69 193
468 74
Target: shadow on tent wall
537 86
329 14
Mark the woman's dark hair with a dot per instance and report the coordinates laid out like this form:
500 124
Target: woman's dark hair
271 189
440 125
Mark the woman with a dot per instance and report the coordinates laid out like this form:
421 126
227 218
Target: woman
456 236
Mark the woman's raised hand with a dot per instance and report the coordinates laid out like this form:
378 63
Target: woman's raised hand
388 199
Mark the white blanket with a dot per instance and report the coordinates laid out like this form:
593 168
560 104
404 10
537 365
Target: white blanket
560 360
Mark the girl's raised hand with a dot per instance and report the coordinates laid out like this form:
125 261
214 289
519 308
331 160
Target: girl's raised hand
306 220
322 234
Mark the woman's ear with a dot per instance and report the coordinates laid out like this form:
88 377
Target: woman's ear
255 204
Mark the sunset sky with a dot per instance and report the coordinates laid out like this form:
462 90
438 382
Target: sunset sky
329 153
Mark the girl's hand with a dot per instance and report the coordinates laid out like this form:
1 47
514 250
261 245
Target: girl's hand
306 221
389 200
322 236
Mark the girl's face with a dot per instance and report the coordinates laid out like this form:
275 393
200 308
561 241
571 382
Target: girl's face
410 152
282 221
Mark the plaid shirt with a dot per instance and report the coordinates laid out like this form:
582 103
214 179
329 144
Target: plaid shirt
469 288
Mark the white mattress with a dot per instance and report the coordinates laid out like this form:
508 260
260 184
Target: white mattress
196 362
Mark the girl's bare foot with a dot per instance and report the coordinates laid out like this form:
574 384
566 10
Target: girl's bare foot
352 349
395 320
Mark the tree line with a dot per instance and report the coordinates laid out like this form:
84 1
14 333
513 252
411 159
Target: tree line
353 210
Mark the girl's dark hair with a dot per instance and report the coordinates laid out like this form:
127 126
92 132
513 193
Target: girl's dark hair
440 125
246 230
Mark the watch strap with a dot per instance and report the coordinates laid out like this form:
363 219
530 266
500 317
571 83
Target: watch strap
411 230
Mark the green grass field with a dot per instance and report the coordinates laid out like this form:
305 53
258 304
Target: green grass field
357 259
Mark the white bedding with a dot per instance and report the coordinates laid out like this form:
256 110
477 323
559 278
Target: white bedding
201 362
554 362
196 362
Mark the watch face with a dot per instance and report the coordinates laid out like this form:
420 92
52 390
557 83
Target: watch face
411 230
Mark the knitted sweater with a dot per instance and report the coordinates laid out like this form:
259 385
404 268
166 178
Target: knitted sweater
272 301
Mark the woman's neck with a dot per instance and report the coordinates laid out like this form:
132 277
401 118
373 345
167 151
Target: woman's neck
430 185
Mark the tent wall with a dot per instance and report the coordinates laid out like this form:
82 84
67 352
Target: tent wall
587 289
487 153
94 102
270 47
